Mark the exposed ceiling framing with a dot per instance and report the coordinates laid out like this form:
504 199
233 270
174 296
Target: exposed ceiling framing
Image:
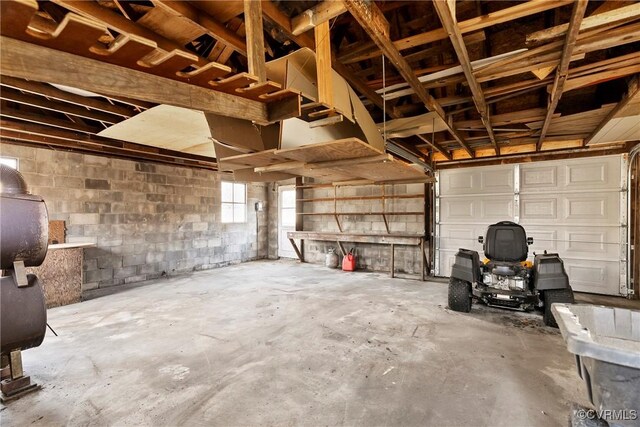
505 78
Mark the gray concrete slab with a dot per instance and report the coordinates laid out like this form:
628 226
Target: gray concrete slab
282 343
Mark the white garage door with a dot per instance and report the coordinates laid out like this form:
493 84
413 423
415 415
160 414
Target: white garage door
575 207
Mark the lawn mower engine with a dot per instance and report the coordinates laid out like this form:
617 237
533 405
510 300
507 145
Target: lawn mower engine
506 286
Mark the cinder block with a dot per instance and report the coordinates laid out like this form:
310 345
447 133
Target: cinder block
96 160
136 278
145 167
97 184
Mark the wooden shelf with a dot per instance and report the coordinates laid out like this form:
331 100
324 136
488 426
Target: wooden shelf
331 199
359 213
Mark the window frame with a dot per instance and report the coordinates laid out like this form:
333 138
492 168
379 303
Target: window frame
233 203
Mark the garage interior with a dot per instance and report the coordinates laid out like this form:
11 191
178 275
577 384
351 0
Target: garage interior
202 161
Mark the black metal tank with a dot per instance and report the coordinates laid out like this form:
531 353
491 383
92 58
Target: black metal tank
24 229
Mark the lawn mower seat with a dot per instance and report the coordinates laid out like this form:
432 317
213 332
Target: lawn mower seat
506 241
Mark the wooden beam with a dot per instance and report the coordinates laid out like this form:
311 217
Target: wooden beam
310 18
632 92
206 22
508 14
60 95
375 25
57 106
278 18
579 8
448 18
529 154
46 120
25 60
615 16
323 64
440 149
52 137
255 39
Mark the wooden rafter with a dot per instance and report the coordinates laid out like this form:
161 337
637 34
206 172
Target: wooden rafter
632 92
310 18
579 8
608 18
448 18
57 106
42 119
376 26
440 149
255 39
508 14
61 138
51 92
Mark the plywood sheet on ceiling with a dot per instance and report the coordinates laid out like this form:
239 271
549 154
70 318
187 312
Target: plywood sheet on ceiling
581 123
417 125
619 129
253 160
165 126
343 149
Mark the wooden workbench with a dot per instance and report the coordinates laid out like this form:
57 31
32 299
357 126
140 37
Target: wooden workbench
378 239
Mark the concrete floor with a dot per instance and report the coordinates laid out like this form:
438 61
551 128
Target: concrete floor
280 343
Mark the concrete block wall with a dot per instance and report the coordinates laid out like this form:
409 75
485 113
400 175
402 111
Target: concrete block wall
369 257
147 220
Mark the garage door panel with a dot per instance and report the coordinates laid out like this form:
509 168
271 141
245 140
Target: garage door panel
594 174
474 181
570 207
496 208
596 243
538 208
586 276
461 236
601 208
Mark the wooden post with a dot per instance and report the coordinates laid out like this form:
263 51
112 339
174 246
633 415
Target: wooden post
323 64
393 256
255 39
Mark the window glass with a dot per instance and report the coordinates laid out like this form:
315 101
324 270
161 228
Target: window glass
9 161
234 202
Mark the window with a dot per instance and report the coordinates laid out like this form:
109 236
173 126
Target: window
9 161
288 208
234 202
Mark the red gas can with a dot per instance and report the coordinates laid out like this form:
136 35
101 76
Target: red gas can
349 261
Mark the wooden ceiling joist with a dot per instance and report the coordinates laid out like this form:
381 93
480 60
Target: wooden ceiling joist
579 8
60 107
25 60
51 92
435 146
42 119
60 138
310 18
376 26
447 14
